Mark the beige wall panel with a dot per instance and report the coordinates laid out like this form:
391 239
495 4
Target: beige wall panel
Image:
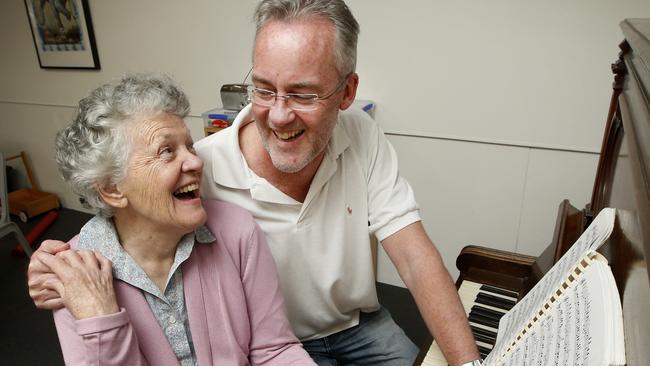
552 176
531 73
468 193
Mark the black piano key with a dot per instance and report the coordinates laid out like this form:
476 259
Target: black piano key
500 291
491 302
479 319
483 355
487 314
494 313
473 315
482 349
501 303
501 298
484 339
483 331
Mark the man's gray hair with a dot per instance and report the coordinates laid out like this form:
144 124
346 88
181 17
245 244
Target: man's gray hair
346 27
93 151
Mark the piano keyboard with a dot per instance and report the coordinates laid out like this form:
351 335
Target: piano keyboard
484 306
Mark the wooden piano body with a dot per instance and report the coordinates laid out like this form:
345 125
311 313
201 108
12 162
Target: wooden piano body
622 181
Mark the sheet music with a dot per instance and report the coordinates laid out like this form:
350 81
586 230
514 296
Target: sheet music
522 313
564 317
577 330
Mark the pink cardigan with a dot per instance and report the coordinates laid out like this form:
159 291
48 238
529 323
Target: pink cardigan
235 309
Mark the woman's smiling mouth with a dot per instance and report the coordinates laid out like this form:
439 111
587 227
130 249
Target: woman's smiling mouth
187 192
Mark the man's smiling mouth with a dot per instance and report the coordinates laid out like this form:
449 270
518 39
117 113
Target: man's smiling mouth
289 135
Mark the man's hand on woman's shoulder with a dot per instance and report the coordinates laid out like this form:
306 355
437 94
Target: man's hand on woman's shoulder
41 280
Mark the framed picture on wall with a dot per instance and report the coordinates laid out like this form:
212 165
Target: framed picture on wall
63 34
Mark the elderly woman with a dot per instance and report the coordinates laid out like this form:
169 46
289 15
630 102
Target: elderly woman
180 288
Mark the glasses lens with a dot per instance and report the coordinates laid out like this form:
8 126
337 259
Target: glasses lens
262 97
302 102
297 102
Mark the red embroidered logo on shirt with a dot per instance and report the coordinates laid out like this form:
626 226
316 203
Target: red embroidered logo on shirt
349 211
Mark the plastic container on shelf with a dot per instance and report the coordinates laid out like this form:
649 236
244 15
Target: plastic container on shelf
219 117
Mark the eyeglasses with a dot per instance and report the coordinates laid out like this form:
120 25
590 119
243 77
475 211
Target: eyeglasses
295 101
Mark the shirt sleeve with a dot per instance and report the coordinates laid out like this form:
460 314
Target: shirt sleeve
391 201
101 340
273 342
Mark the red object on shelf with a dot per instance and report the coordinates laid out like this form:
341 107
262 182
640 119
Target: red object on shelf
37 231
219 123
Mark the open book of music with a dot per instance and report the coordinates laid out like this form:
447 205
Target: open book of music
572 316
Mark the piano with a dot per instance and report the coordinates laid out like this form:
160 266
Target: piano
491 280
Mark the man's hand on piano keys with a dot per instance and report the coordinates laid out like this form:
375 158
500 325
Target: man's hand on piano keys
484 306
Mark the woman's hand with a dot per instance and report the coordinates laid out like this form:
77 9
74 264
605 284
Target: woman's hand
85 282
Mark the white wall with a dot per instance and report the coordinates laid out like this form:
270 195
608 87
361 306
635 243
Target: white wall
502 197
532 73
496 109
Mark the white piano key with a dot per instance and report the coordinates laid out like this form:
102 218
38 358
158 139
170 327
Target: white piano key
483 344
434 356
494 330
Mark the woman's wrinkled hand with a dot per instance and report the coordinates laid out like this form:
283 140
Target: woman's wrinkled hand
85 282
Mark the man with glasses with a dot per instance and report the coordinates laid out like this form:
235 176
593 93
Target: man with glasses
319 179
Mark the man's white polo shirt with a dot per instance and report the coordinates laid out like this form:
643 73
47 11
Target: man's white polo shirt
321 246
